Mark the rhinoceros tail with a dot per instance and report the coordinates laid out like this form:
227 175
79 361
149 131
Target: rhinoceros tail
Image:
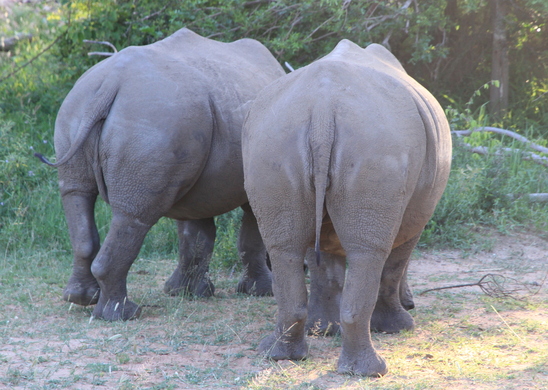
97 109
322 135
44 159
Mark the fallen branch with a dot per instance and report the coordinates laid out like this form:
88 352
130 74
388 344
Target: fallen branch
484 150
498 286
509 133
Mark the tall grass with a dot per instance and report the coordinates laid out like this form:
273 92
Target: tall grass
486 190
478 195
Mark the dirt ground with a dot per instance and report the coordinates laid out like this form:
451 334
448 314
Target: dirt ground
212 343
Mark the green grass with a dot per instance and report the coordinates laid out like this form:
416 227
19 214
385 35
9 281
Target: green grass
463 339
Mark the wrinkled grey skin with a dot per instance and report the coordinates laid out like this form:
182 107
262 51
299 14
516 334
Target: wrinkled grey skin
349 155
156 131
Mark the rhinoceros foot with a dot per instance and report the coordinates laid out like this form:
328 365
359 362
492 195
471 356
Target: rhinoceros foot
178 284
362 362
391 321
278 347
117 310
82 292
260 286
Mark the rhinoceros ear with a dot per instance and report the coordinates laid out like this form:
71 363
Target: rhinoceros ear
382 54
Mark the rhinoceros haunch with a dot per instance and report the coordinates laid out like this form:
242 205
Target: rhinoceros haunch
156 131
349 155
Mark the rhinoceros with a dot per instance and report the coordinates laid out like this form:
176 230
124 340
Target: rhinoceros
156 131
348 155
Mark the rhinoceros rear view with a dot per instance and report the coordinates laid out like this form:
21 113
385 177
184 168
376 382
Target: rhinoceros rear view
349 155
156 131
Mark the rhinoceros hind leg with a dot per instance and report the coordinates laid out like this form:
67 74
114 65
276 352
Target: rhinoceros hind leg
196 241
82 287
256 278
389 315
111 266
326 284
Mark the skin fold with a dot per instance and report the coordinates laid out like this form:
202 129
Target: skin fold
349 156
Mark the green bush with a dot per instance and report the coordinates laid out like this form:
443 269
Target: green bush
37 74
482 191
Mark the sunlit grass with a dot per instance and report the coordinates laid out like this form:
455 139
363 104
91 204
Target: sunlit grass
463 339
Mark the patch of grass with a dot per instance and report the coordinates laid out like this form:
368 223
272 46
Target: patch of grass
101 367
460 341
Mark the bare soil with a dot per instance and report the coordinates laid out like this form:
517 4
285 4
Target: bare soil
180 343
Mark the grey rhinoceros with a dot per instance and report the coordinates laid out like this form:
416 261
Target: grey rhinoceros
348 155
156 131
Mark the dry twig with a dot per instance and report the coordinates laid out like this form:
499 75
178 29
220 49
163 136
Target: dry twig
101 53
499 286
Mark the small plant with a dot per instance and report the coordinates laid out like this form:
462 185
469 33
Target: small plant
122 358
101 367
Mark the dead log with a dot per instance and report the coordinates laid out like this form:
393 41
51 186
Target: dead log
6 44
509 133
484 150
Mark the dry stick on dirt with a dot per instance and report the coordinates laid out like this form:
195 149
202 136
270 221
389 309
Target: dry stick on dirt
499 286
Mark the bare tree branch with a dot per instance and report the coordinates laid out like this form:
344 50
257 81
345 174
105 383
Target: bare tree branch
530 156
381 19
320 26
101 53
496 130
102 43
323 36
153 14
223 32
